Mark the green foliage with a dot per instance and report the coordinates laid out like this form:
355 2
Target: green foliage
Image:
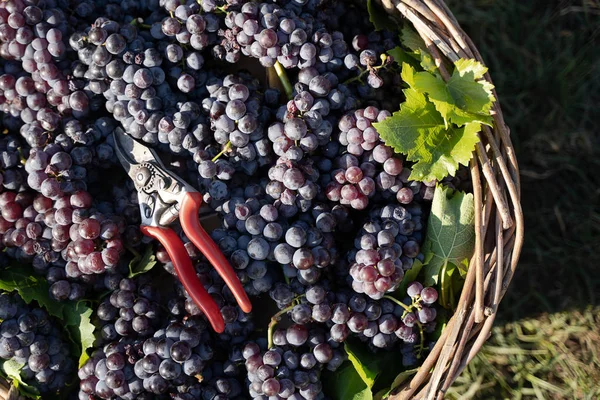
419 131
21 278
418 50
347 384
11 369
401 56
379 17
399 380
451 283
450 234
81 329
365 373
141 264
364 362
464 99
75 315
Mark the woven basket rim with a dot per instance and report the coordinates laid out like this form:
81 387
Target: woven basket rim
498 214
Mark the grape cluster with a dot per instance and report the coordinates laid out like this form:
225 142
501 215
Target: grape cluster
385 248
132 309
309 246
315 209
251 229
175 354
237 117
369 166
291 367
63 239
30 337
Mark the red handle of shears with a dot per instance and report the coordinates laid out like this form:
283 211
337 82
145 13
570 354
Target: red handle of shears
188 217
186 273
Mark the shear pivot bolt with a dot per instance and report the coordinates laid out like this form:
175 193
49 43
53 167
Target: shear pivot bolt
143 176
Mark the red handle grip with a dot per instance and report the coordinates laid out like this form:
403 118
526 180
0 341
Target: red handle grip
188 216
186 273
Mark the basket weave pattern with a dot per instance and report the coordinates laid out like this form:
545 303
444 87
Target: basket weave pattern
498 214
498 217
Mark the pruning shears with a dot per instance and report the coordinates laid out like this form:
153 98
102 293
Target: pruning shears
163 198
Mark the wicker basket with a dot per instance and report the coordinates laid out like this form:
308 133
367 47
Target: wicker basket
498 215
8 392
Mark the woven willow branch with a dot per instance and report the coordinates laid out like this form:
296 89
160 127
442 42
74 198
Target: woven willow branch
498 214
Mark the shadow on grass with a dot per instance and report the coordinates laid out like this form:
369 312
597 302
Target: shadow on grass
544 57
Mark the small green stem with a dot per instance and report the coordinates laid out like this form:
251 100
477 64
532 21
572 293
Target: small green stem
287 85
138 24
225 150
401 304
384 59
274 320
422 341
134 251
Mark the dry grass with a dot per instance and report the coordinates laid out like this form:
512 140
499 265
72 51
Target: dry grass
554 356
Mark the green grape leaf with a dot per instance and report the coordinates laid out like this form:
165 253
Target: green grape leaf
411 40
364 362
21 278
464 99
451 283
12 370
75 315
399 380
450 232
141 264
346 384
419 131
401 56
441 321
379 17
78 322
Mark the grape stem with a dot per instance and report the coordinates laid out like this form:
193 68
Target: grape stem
283 78
225 150
274 320
369 69
133 251
421 345
135 22
401 304
408 309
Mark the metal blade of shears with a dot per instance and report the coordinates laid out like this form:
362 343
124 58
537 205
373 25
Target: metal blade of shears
131 152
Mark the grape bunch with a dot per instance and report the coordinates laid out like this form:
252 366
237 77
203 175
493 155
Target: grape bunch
63 239
29 336
137 368
369 163
314 208
237 118
309 247
132 309
291 367
385 248
419 316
